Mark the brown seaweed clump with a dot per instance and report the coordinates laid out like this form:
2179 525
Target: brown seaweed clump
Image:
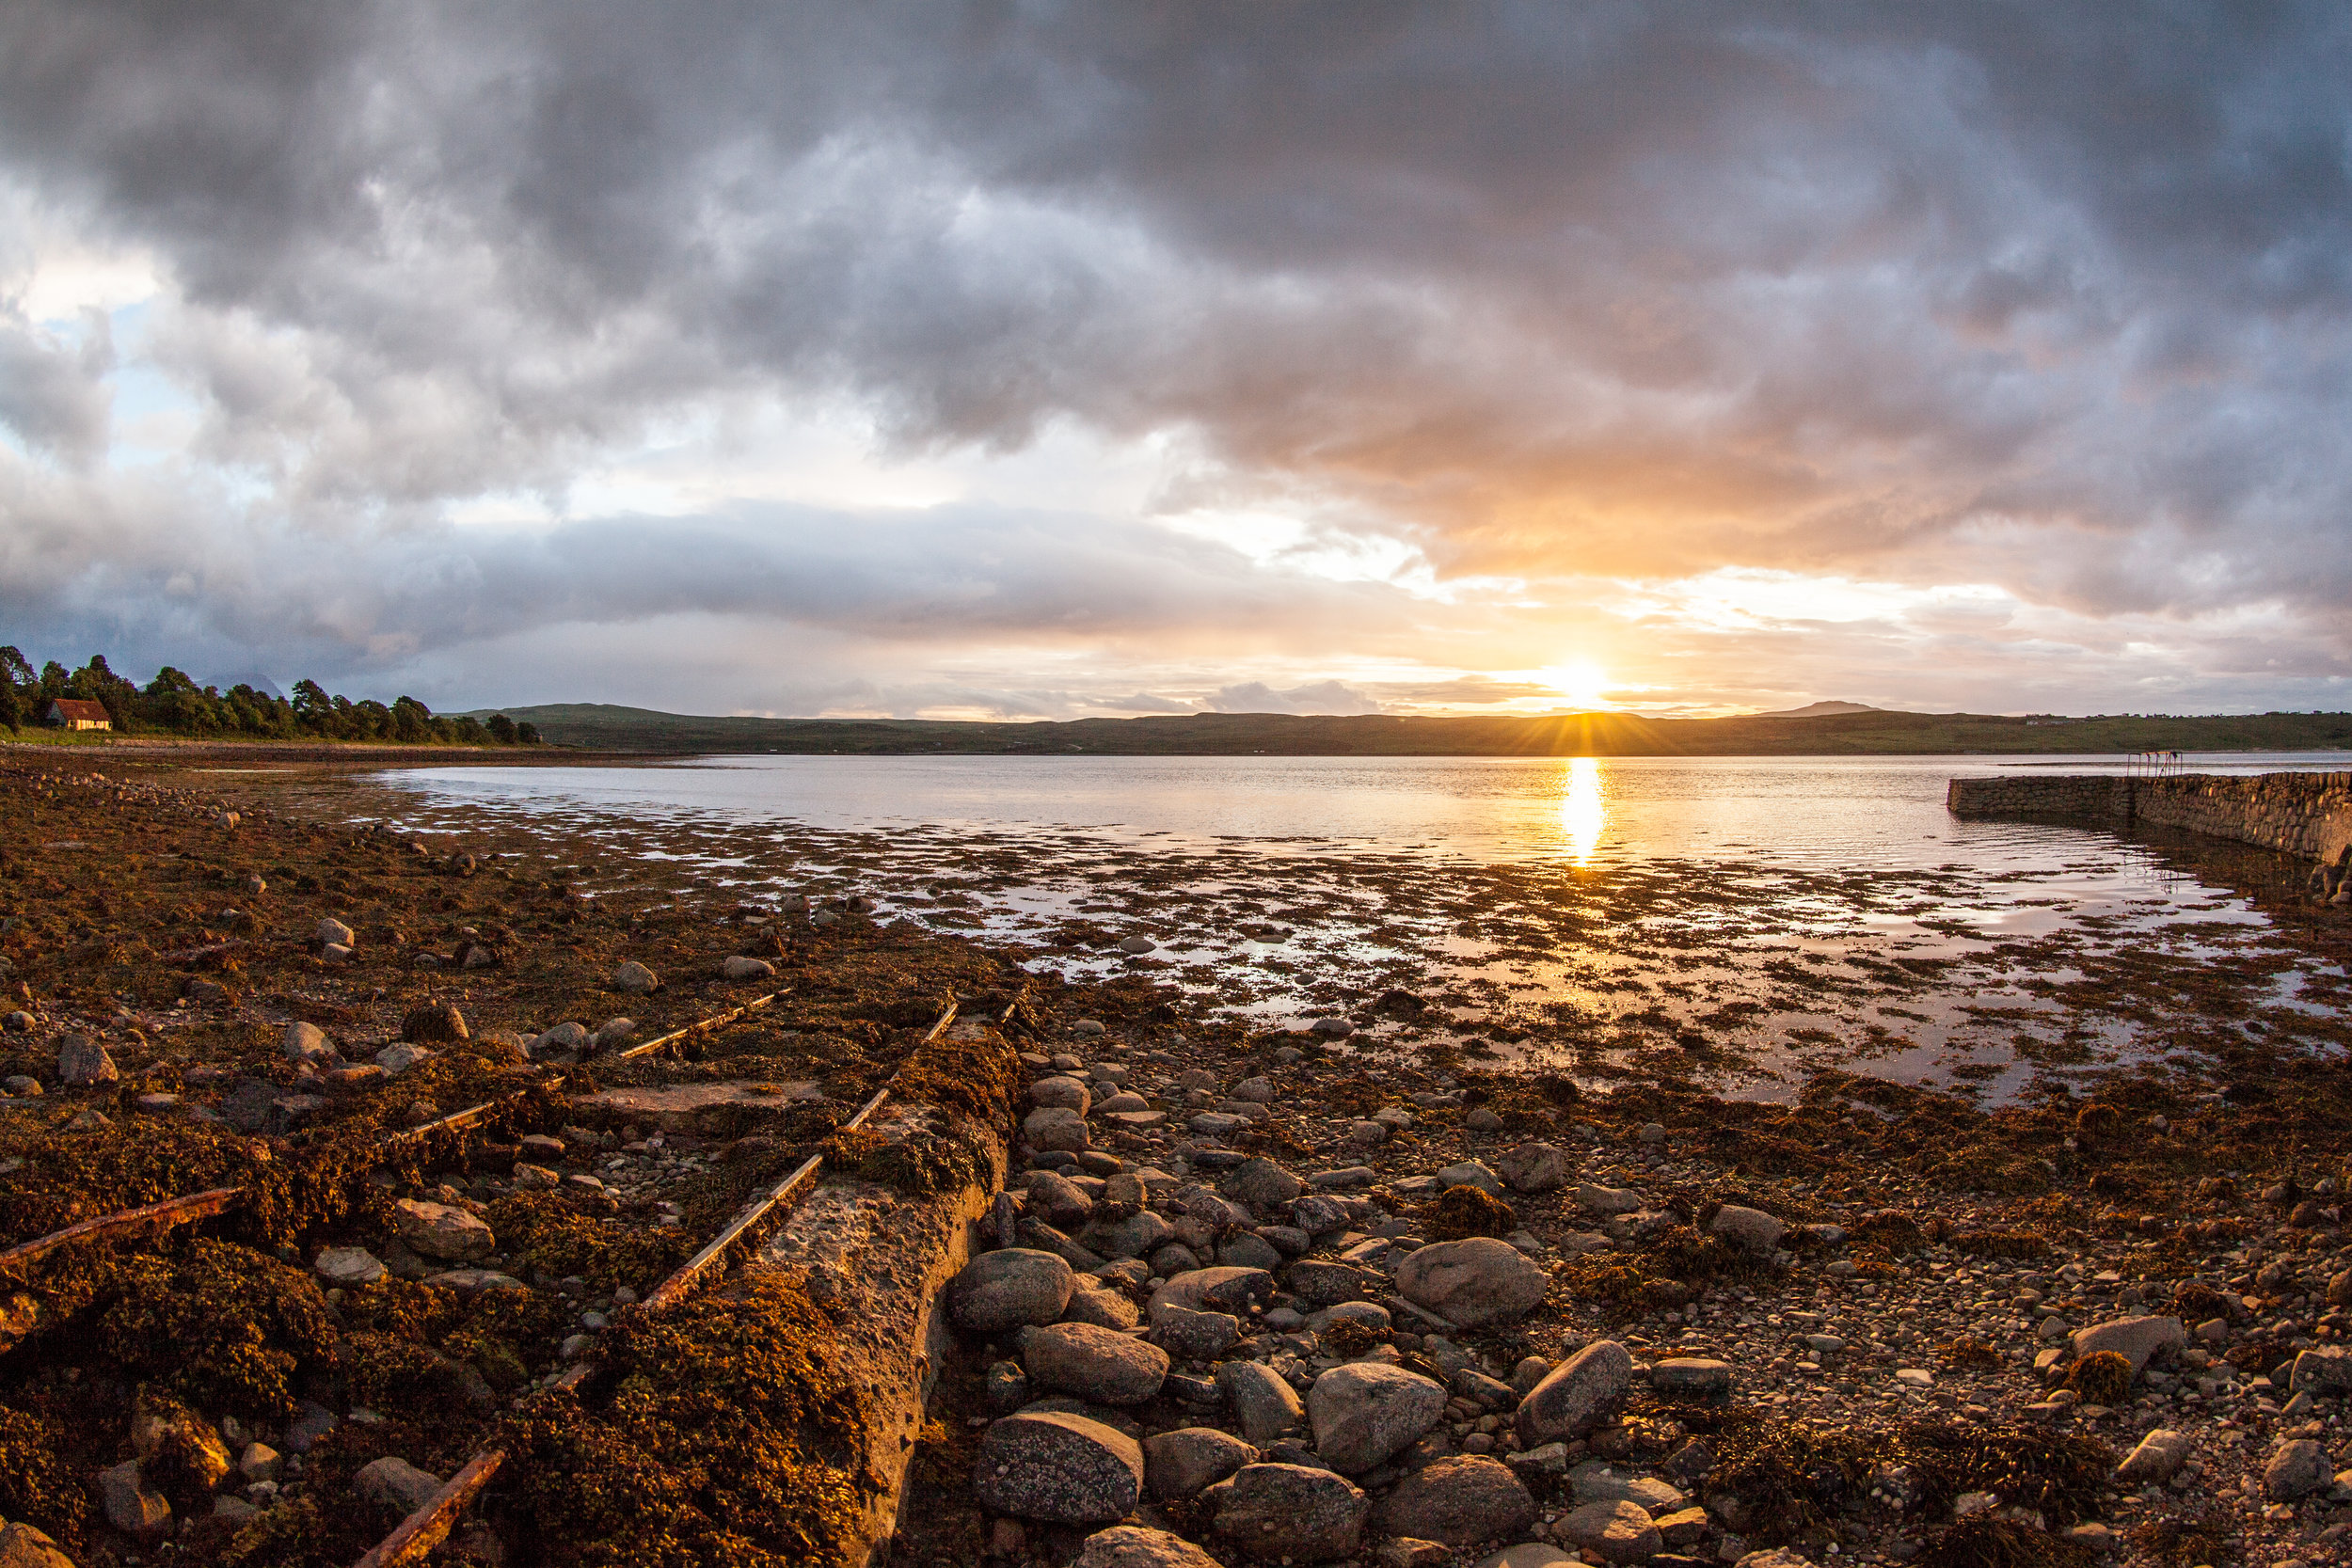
1984 1541
1469 1212
720 1444
2103 1377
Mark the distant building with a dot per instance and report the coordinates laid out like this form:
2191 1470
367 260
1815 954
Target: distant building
71 713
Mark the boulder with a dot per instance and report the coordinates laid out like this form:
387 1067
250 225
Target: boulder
1099 1365
1461 1501
634 979
1318 1283
2322 1373
2297 1469
2159 1456
304 1042
1056 1128
1471 1282
23 1547
83 1062
400 1056
743 968
1007 1289
1262 1402
1218 1289
1273 1512
1692 1377
442 1230
1182 1463
1260 1183
1063 1093
348 1265
1574 1395
1104 1308
1472 1173
1607 1200
395 1485
1364 1412
1189 1336
1139 1235
1752 1230
1534 1168
2136 1339
1058 1200
131 1505
334 933
1057 1467
1614 1532
1530 1554
1133 1546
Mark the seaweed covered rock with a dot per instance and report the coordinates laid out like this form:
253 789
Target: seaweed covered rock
1467 1210
179 1452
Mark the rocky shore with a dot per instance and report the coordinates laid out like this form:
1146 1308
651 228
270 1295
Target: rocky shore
1361 1291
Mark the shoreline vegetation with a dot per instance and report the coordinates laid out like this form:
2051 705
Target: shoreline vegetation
174 704
608 727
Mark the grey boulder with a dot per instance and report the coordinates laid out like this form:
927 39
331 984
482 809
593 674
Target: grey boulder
1057 1467
1272 1511
1182 1463
1471 1282
1574 1395
1363 1412
2136 1338
1461 1501
1265 1406
1004 1289
1133 1546
1534 1168
1097 1364
83 1061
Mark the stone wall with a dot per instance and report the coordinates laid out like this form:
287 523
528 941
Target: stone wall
2307 815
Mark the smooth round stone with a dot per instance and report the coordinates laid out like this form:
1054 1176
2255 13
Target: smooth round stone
1004 1289
1099 1365
1363 1412
1057 1467
1182 1463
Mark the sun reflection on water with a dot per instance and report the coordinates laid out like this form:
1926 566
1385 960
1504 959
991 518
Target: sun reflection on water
1582 811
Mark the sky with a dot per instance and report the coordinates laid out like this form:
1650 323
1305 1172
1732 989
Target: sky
1018 359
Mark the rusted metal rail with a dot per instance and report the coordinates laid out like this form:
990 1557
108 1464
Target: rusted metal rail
127 1222
431 1523
197 1205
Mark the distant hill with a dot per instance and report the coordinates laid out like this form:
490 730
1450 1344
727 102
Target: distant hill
1857 731
1817 710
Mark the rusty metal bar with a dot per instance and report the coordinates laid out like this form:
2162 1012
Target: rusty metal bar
425 1529
430 1525
714 1022
171 1211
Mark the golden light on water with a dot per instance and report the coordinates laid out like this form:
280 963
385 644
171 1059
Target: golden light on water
1583 812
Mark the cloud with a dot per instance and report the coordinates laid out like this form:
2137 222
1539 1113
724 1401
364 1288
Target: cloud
1320 697
1927 295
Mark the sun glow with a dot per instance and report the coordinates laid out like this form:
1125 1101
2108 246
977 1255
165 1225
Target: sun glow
1583 810
1581 682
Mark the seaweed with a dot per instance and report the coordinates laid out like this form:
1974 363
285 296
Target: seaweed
1986 1541
1467 1210
2103 1377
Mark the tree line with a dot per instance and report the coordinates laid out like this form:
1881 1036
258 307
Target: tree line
175 705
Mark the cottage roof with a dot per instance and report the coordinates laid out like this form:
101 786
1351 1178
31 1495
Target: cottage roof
74 708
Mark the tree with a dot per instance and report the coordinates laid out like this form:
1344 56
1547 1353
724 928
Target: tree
11 705
313 707
15 671
412 722
501 729
527 733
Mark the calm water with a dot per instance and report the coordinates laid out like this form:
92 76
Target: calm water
1794 913
1800 809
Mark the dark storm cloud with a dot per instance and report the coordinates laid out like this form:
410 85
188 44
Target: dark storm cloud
2048 296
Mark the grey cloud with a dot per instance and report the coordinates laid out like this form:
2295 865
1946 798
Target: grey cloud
53 394
1940 291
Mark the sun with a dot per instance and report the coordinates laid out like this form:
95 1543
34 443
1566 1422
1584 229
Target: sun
1581 681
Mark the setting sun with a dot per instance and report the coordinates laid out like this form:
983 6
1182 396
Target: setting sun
1581 682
